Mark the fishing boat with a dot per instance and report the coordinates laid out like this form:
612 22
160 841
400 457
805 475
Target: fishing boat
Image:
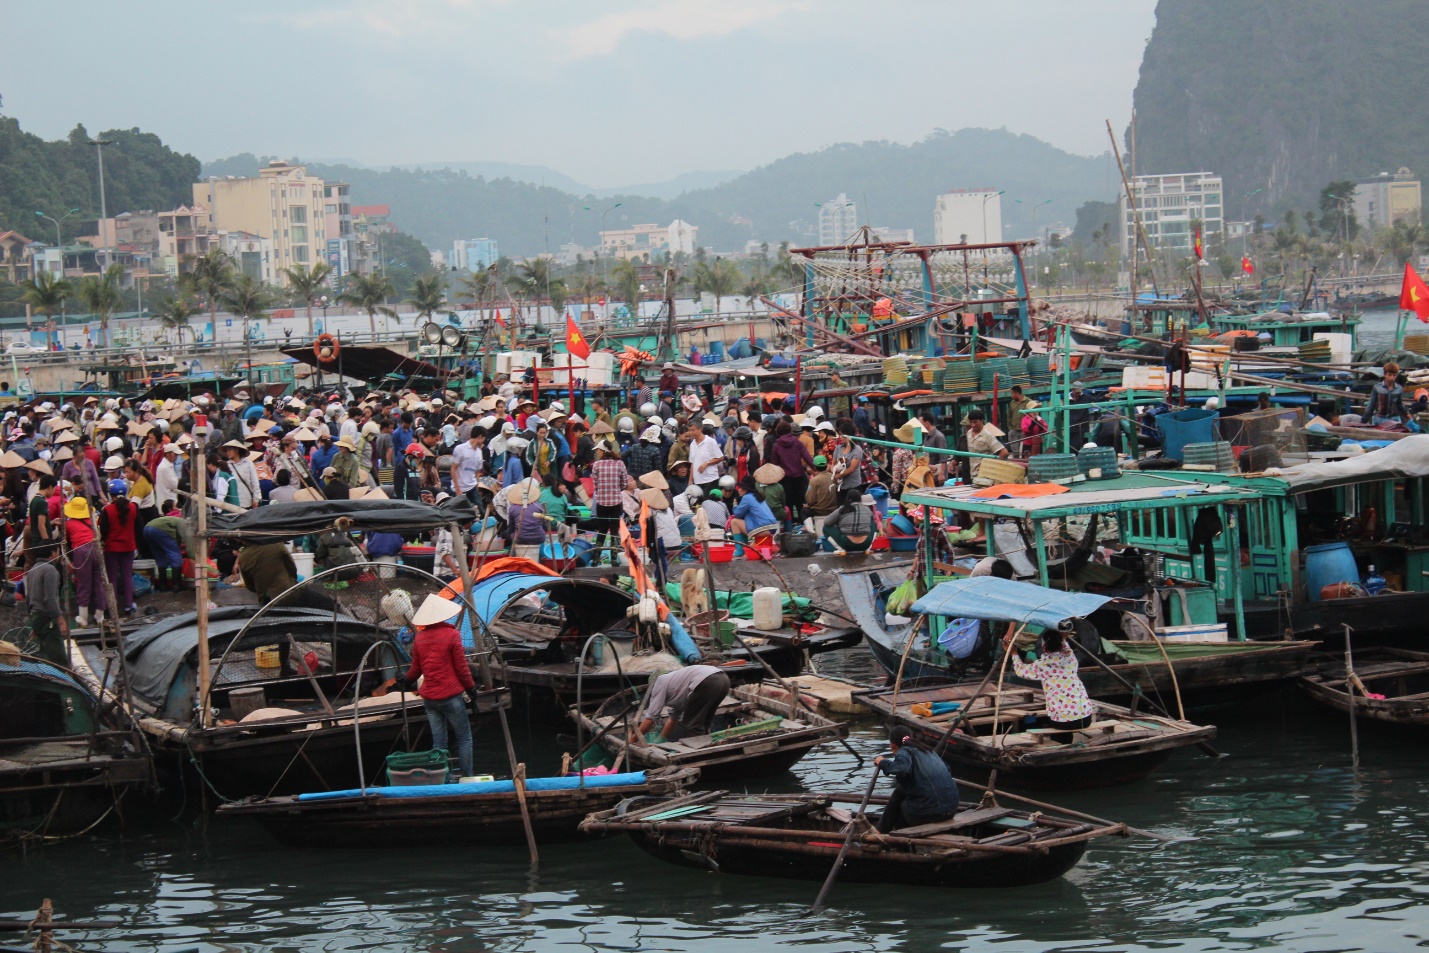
752 736
1383 686
1008 730
66 758
1201 674
799 837
473 814
569 640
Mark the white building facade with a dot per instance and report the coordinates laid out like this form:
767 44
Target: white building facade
1169 206
838 220
968 216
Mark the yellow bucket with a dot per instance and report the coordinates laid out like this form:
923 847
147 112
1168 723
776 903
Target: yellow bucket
266 656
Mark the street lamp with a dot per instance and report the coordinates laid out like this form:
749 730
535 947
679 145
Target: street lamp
59 240
989 195
99 145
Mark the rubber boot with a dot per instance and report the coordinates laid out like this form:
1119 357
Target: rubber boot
82 620
738 539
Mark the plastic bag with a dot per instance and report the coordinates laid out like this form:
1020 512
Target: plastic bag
900 600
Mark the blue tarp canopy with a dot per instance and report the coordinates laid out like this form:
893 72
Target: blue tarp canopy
629 779
493 592
997 600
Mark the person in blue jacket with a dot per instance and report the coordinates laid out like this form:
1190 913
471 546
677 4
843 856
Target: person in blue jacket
925 793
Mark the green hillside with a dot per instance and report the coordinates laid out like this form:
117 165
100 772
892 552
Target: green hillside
1283 95
140 172
893 184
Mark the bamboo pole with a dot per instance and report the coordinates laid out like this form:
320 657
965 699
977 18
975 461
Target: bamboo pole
198 479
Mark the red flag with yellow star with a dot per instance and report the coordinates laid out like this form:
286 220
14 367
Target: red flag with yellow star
1414 296
575 341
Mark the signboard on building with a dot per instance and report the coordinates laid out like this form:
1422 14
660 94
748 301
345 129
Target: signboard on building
337 257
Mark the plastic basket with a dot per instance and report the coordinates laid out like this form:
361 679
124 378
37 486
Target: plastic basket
417 767
1098 458
1051 467
266 656
721 552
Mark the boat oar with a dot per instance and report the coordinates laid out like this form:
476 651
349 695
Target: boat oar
848 840
794 699
518 779
1205 746
1077 814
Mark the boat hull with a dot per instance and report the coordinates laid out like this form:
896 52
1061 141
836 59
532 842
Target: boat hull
813 861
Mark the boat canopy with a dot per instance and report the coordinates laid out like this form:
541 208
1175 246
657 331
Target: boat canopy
291 520
1405 458
1131 490
995 599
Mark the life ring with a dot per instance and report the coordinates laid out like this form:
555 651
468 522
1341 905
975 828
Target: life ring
326 347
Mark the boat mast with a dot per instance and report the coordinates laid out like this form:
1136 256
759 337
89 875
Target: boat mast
198 484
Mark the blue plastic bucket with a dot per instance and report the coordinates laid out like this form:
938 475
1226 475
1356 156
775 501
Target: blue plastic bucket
1327 564
880 500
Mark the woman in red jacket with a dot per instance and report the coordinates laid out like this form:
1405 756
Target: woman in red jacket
118 524
437 654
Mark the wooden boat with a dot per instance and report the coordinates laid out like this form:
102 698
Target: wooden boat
568 639
798 836
278 727
66 760
752 736
451 815
1009 730
1388 687
1207 674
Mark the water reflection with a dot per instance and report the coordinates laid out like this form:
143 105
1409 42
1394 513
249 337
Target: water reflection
1291 851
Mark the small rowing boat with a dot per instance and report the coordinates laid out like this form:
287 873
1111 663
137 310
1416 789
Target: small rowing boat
798 836
1388 687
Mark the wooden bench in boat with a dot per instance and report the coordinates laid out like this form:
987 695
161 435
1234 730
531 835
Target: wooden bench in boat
962 820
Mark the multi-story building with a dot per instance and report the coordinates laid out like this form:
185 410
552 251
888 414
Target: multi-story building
184 234
893 235
1170 205
651 240
968 216
1384 199
252 254
337 221
838 220
15 257
283 203
474 254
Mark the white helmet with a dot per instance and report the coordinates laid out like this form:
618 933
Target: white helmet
726 482
113 444
815 412
693 491
486 422
626 425
1213 403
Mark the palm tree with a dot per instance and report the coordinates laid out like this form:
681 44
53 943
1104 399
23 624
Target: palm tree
212 276
754 286
46 293
625 284
429 295
370 293
100 294
247 299
590 285
174 312
1403 239
305 283
536 282
787 270
720 279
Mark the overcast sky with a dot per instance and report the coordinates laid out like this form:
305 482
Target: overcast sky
609 93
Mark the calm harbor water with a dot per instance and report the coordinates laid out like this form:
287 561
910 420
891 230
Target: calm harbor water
1291 850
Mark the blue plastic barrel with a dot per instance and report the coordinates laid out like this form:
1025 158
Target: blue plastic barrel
739 349
716 351
880 500
1327 564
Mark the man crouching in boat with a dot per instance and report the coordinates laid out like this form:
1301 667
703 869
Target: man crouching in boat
437 654
926 792
692 694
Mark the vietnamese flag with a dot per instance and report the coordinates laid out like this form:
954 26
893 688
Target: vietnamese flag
1200 252
499 319
1246 265
575 341
1414 296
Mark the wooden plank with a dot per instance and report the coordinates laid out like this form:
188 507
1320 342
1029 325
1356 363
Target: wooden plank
963 819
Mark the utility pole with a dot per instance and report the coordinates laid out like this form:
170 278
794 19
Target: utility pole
99 145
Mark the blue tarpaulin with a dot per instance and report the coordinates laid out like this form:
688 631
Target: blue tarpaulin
996 600
483 787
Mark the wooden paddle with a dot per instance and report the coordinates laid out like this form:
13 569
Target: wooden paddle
848 841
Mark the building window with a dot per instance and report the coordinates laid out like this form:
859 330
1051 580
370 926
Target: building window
298 234
300 253
330 209
298 214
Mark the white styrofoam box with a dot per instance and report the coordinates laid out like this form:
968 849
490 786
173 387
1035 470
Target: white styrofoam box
1154 378
514 362
597 371
1341 345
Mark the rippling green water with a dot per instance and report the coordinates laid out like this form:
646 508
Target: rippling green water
1291 852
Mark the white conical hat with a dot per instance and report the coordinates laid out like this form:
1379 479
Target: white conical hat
435 609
